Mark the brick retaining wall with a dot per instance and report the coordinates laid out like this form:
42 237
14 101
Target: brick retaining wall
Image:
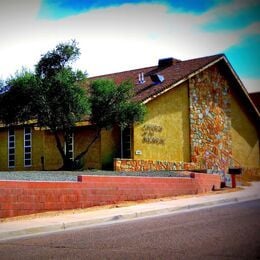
28 197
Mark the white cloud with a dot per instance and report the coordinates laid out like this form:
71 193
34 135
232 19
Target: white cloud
112 39
252 85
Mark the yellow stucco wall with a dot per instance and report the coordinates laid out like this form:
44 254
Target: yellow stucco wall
44 145
164 135
52 158
37 147
110 147
245 139
3 149
82 137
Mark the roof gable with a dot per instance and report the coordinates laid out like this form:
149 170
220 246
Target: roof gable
176 73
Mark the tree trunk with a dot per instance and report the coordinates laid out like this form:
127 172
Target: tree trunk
83 153
67 163
59 145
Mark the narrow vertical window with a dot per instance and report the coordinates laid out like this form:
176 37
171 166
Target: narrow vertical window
69 147
11 148
126 136
27 146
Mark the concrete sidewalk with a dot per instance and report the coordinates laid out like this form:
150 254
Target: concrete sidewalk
49 222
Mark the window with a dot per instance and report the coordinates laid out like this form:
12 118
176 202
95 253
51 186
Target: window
27 147
126 142
69 146
11 148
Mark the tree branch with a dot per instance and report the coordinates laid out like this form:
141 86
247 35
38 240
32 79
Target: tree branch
59 145
83 153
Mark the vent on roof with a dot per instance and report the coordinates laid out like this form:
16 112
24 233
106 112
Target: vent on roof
162 63
165 62
141 79
157 78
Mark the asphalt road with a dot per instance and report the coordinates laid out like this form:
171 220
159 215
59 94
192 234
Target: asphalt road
224 232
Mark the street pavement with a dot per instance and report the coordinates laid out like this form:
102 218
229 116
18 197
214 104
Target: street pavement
67 220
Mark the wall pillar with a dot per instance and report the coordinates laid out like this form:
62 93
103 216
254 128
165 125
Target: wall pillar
210 121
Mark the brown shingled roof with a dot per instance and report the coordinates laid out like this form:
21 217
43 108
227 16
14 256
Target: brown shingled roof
177 72
256 99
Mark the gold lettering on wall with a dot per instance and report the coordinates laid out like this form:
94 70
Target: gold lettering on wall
150 134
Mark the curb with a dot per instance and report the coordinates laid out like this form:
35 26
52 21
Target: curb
70 225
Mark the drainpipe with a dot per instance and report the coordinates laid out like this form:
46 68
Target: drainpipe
42 163
121 143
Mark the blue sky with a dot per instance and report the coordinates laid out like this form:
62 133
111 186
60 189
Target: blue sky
121 35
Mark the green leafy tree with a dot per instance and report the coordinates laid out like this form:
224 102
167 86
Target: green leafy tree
54 97
18 103
62 102
112 105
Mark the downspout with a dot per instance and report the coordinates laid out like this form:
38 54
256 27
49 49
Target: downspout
121 143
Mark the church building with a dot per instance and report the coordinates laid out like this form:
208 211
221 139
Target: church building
199 117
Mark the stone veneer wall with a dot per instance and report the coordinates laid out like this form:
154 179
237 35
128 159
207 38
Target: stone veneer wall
210 120
129 165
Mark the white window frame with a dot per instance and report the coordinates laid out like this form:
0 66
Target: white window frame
72 146
26 139
11 147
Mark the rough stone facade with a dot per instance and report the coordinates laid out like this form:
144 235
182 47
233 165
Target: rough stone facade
210 128
129 165
210 120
